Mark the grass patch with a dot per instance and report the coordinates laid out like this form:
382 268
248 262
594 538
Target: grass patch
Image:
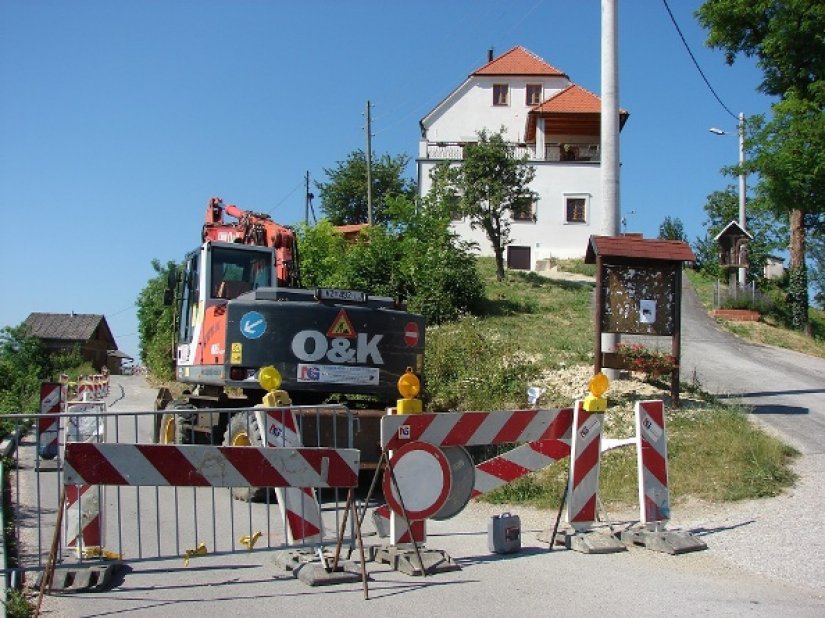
547 320
771 330
715 454
17 604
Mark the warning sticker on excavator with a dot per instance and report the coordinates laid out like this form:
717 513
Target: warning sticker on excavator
236 354
342 327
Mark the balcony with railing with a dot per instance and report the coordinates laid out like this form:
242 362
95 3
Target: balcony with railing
555 152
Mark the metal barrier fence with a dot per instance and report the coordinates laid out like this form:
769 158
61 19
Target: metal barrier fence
149 522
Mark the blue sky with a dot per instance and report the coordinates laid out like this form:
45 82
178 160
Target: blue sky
119 120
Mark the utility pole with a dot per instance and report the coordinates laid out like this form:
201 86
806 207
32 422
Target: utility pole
743 273
369 164
308 200
611 211
610 120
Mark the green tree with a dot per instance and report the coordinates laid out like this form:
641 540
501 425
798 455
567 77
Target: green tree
786 38
156 324
414 257
25 363
672 229
492 184
344 196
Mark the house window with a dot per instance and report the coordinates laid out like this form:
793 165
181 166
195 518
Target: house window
454 205
533 94
576 209
524 209
501 94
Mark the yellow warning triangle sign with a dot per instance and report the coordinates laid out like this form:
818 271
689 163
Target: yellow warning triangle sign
342 327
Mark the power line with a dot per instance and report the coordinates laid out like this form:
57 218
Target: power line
288 195
695 63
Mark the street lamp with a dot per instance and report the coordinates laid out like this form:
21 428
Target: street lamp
742 187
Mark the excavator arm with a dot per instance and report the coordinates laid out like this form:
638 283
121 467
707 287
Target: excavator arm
254 228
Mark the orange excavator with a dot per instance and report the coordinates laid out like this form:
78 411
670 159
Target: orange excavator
240 308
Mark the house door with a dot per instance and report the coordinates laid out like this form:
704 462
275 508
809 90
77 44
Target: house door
518 258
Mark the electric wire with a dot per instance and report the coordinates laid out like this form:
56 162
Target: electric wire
695 62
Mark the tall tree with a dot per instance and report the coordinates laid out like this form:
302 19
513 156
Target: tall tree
672 229
492 185
155 324
344 196
786 38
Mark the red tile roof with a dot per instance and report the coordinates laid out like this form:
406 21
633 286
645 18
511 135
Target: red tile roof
573 99
519 61
638 248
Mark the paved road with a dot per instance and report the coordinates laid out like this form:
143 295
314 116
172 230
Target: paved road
765 557
785 389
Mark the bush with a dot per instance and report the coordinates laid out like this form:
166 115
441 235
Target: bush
468 369
415 258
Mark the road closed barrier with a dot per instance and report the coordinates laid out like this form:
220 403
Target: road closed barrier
547 434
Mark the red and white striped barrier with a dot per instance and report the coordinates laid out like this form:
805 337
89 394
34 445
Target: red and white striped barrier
298 504
471 428
83 515
48 428
547 433
188 465
651 453
530 457
84 389
583 482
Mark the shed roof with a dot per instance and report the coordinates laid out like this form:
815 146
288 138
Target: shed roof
639 248
733 229
66 326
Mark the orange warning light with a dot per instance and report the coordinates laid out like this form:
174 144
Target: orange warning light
409 386
594 402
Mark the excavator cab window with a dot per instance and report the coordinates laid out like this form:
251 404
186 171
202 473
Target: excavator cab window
189 298
236 271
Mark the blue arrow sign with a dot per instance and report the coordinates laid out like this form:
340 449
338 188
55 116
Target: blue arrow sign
253 325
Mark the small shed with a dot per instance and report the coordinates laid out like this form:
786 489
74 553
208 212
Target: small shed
63 331
638 292
733 246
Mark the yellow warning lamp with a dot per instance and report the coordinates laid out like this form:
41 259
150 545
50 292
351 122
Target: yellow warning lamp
270 380
594 402
409 386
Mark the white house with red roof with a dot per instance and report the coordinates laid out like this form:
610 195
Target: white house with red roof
555 122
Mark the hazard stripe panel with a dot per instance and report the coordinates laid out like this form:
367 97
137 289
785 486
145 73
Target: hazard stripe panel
209 466
584 468
651 453
476 428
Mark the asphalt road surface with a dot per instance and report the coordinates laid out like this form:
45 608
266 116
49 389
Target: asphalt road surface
765 557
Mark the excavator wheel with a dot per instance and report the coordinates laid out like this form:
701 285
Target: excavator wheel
243 430
174 428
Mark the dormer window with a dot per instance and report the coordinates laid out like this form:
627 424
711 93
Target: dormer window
501 94
533 94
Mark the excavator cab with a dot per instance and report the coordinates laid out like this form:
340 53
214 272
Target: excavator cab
236 270
213 275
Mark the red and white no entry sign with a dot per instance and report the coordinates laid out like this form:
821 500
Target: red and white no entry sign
423 474
411 334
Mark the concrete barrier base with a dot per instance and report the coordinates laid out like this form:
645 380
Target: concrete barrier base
404 558
586 542
666 541
316 570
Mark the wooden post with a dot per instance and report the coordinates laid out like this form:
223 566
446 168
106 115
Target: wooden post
597 360
676 340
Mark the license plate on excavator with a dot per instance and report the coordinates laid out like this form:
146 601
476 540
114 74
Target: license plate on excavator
352 296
